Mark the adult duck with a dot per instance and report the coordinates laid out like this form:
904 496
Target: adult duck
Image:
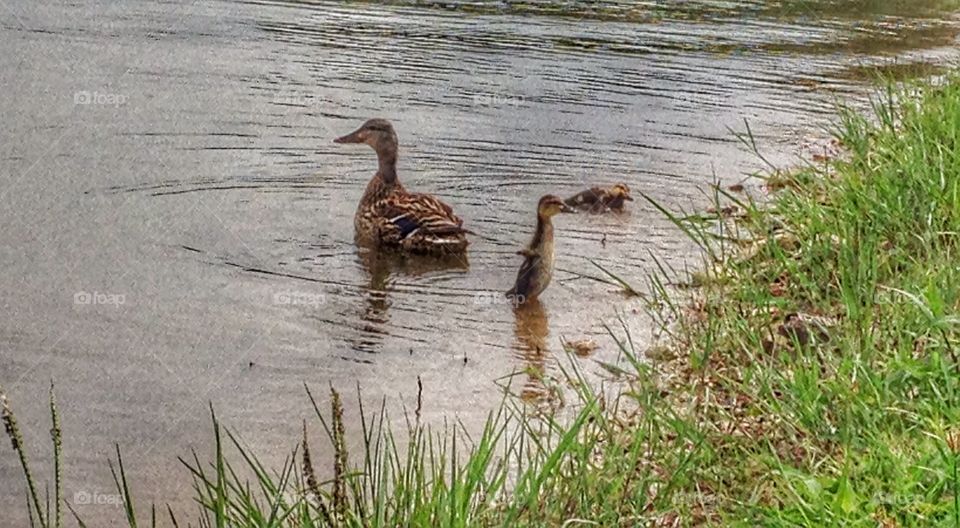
389 216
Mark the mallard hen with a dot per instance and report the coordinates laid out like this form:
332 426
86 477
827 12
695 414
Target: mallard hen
390 216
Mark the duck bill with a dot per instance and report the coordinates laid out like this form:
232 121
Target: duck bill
628 198
353 137
564 208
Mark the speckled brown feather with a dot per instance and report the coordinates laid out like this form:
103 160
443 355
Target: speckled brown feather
414 222
391 217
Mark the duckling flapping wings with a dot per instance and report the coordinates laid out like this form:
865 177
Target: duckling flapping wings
526 281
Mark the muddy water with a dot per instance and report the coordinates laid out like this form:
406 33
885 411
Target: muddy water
177 223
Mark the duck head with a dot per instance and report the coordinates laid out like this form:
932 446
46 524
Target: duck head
621 191
551 205
378 133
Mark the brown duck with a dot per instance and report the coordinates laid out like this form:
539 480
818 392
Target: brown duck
389 216
537 268
598 199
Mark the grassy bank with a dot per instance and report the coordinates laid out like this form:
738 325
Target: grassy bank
819 362
810 379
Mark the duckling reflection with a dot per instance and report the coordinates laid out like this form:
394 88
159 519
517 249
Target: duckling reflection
382 268
530 329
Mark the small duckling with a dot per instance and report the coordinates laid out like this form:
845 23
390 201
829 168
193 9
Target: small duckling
598 199
537 268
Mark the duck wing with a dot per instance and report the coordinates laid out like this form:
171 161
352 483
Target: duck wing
526 281
419 221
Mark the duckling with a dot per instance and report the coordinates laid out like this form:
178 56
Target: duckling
389 216
537 268
598 199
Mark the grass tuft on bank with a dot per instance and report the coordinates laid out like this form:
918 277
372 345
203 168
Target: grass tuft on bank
811 378
820 359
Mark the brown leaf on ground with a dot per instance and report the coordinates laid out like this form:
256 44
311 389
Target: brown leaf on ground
668 520
779 180
696 311
659 353
582 348
805 328
769 345
953 441
787 241
884 520
779 287
726 212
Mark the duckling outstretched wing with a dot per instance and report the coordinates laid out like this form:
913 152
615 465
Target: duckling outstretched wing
420 222
526 283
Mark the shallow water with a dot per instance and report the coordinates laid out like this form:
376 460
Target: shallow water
177 223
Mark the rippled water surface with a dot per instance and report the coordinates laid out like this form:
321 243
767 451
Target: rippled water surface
177 223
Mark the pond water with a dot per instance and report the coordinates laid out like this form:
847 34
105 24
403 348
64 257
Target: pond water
177 222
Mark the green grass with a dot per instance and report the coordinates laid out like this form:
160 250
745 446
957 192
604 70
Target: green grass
823 366
810 379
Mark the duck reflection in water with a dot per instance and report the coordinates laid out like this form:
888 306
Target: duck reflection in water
531 328
383 267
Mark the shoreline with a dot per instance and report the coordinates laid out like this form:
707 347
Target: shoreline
810 378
